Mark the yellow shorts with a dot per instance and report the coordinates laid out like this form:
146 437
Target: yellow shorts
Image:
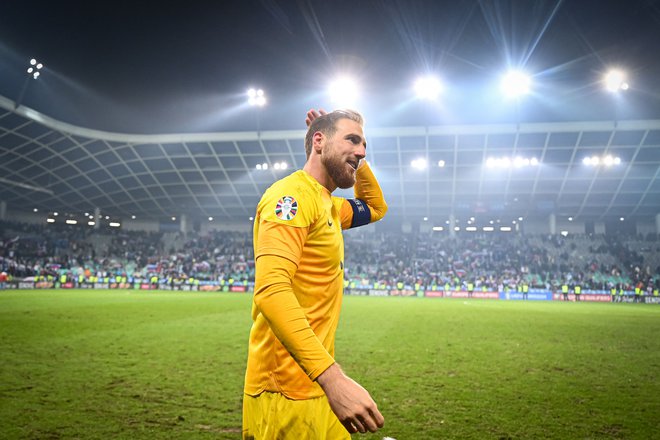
271 416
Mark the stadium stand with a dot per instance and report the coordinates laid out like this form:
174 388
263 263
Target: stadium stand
596 263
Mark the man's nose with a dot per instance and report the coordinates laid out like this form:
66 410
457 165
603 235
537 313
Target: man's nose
360 152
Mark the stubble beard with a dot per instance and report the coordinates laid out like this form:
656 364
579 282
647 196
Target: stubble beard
339 171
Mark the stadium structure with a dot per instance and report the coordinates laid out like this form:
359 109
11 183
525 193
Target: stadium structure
571 177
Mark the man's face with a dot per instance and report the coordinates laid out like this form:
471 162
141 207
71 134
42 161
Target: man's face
343 152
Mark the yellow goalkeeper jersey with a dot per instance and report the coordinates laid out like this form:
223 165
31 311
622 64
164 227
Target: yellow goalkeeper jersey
299 255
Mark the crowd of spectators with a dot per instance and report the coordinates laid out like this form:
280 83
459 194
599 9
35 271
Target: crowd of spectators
488 261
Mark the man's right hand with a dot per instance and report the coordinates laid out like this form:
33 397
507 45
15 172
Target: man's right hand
352 404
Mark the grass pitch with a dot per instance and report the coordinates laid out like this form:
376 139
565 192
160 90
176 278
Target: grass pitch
163 365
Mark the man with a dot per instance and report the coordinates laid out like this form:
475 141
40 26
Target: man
294 389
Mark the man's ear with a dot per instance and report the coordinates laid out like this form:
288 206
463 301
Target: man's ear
318 140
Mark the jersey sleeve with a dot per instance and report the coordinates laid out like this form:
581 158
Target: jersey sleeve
281 212
275 300
368 206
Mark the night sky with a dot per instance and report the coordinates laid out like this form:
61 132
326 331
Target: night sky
154 67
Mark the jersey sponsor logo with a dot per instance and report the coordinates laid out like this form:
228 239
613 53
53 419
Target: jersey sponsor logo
286 208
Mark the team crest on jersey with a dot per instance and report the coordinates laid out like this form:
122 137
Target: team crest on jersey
286 208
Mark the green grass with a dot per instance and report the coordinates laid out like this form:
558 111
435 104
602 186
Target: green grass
145 365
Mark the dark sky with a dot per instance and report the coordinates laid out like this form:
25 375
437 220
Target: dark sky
152 67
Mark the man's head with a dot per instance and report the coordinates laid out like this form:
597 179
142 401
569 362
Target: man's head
327 124
335 145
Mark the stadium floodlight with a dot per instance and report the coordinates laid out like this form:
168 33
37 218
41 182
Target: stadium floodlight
132 217
256 97
56 214
520 219
419 163
210 219
91 223
114 224
505 228
425 219
438 228
621 219
50 220
35 210
343 91
488 229
71 221
564 233
570 219
173 218
471 229
280 165
516 83
35 68
441 163
428 88
615 80
607 160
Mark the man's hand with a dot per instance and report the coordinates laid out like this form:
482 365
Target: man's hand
352 404
313 114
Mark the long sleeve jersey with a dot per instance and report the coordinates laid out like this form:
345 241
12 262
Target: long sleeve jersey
299 257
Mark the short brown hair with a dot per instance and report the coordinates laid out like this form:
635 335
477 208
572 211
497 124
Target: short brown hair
327 124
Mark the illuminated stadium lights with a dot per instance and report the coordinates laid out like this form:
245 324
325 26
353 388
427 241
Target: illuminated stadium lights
35 210
520 219
50 220
114 224
505 228
71 221
343 91
621 219
91 223
56 214
564 233
515 83
615 80
419 164
441 163
570 219
132 217
456 228
438 228
210 219
607 161
425 219
280 165
34 69
506 162
488 229
471 229
251 219
256 97
173 218
428 88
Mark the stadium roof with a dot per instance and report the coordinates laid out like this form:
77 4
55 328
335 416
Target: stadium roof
55 166
88 133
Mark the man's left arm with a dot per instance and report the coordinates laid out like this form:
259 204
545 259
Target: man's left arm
368 205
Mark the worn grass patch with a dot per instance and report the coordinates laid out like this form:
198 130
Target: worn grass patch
164 365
